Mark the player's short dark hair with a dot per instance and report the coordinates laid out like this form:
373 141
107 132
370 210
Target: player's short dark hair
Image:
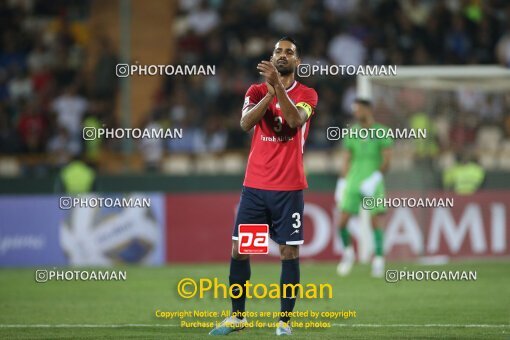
292 40
363 101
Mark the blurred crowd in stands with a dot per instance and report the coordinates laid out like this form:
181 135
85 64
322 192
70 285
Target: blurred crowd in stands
48 88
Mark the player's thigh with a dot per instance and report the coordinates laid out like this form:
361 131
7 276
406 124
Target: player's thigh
379 195
351 199
251 210
286 209
288 252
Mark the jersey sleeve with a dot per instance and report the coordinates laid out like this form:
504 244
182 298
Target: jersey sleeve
252 96
308 101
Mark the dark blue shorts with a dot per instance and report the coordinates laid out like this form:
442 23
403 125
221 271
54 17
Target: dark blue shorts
281 210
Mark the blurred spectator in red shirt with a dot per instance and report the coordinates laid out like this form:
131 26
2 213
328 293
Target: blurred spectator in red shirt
462 132
32 128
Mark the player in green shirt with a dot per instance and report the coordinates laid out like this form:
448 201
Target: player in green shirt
362 176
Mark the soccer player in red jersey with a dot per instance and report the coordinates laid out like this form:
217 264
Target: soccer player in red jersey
278 111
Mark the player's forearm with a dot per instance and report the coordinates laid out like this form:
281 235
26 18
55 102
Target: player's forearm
289 110
345 170
252 116
385 161
346 164
384 167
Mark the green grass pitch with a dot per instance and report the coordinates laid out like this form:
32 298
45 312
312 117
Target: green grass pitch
126 309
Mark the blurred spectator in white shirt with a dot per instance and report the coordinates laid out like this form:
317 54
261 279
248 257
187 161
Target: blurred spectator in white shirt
203 20
189 5
20 87
285 19
62 147
503 49
345 49
341 8
70 108
39 58
152 148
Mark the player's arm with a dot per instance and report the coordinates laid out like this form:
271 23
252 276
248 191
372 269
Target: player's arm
386 158
252 114
295 116
344 170
347 164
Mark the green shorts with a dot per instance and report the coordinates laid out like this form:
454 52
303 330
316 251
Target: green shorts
352 199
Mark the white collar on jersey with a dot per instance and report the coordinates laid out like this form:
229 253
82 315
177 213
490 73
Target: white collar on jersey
292 86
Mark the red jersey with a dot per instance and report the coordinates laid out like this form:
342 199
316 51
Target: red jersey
276 154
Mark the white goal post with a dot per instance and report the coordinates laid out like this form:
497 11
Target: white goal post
490 78
481 77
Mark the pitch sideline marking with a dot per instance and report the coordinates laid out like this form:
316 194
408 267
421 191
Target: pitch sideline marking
334 324
438 325
87 325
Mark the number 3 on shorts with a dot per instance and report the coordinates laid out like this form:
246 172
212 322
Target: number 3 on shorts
298 220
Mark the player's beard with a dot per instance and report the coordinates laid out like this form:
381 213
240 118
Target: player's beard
285 70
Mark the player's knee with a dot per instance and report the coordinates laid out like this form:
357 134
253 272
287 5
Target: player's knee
240 257
344 220
235 252
376 220
289 252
